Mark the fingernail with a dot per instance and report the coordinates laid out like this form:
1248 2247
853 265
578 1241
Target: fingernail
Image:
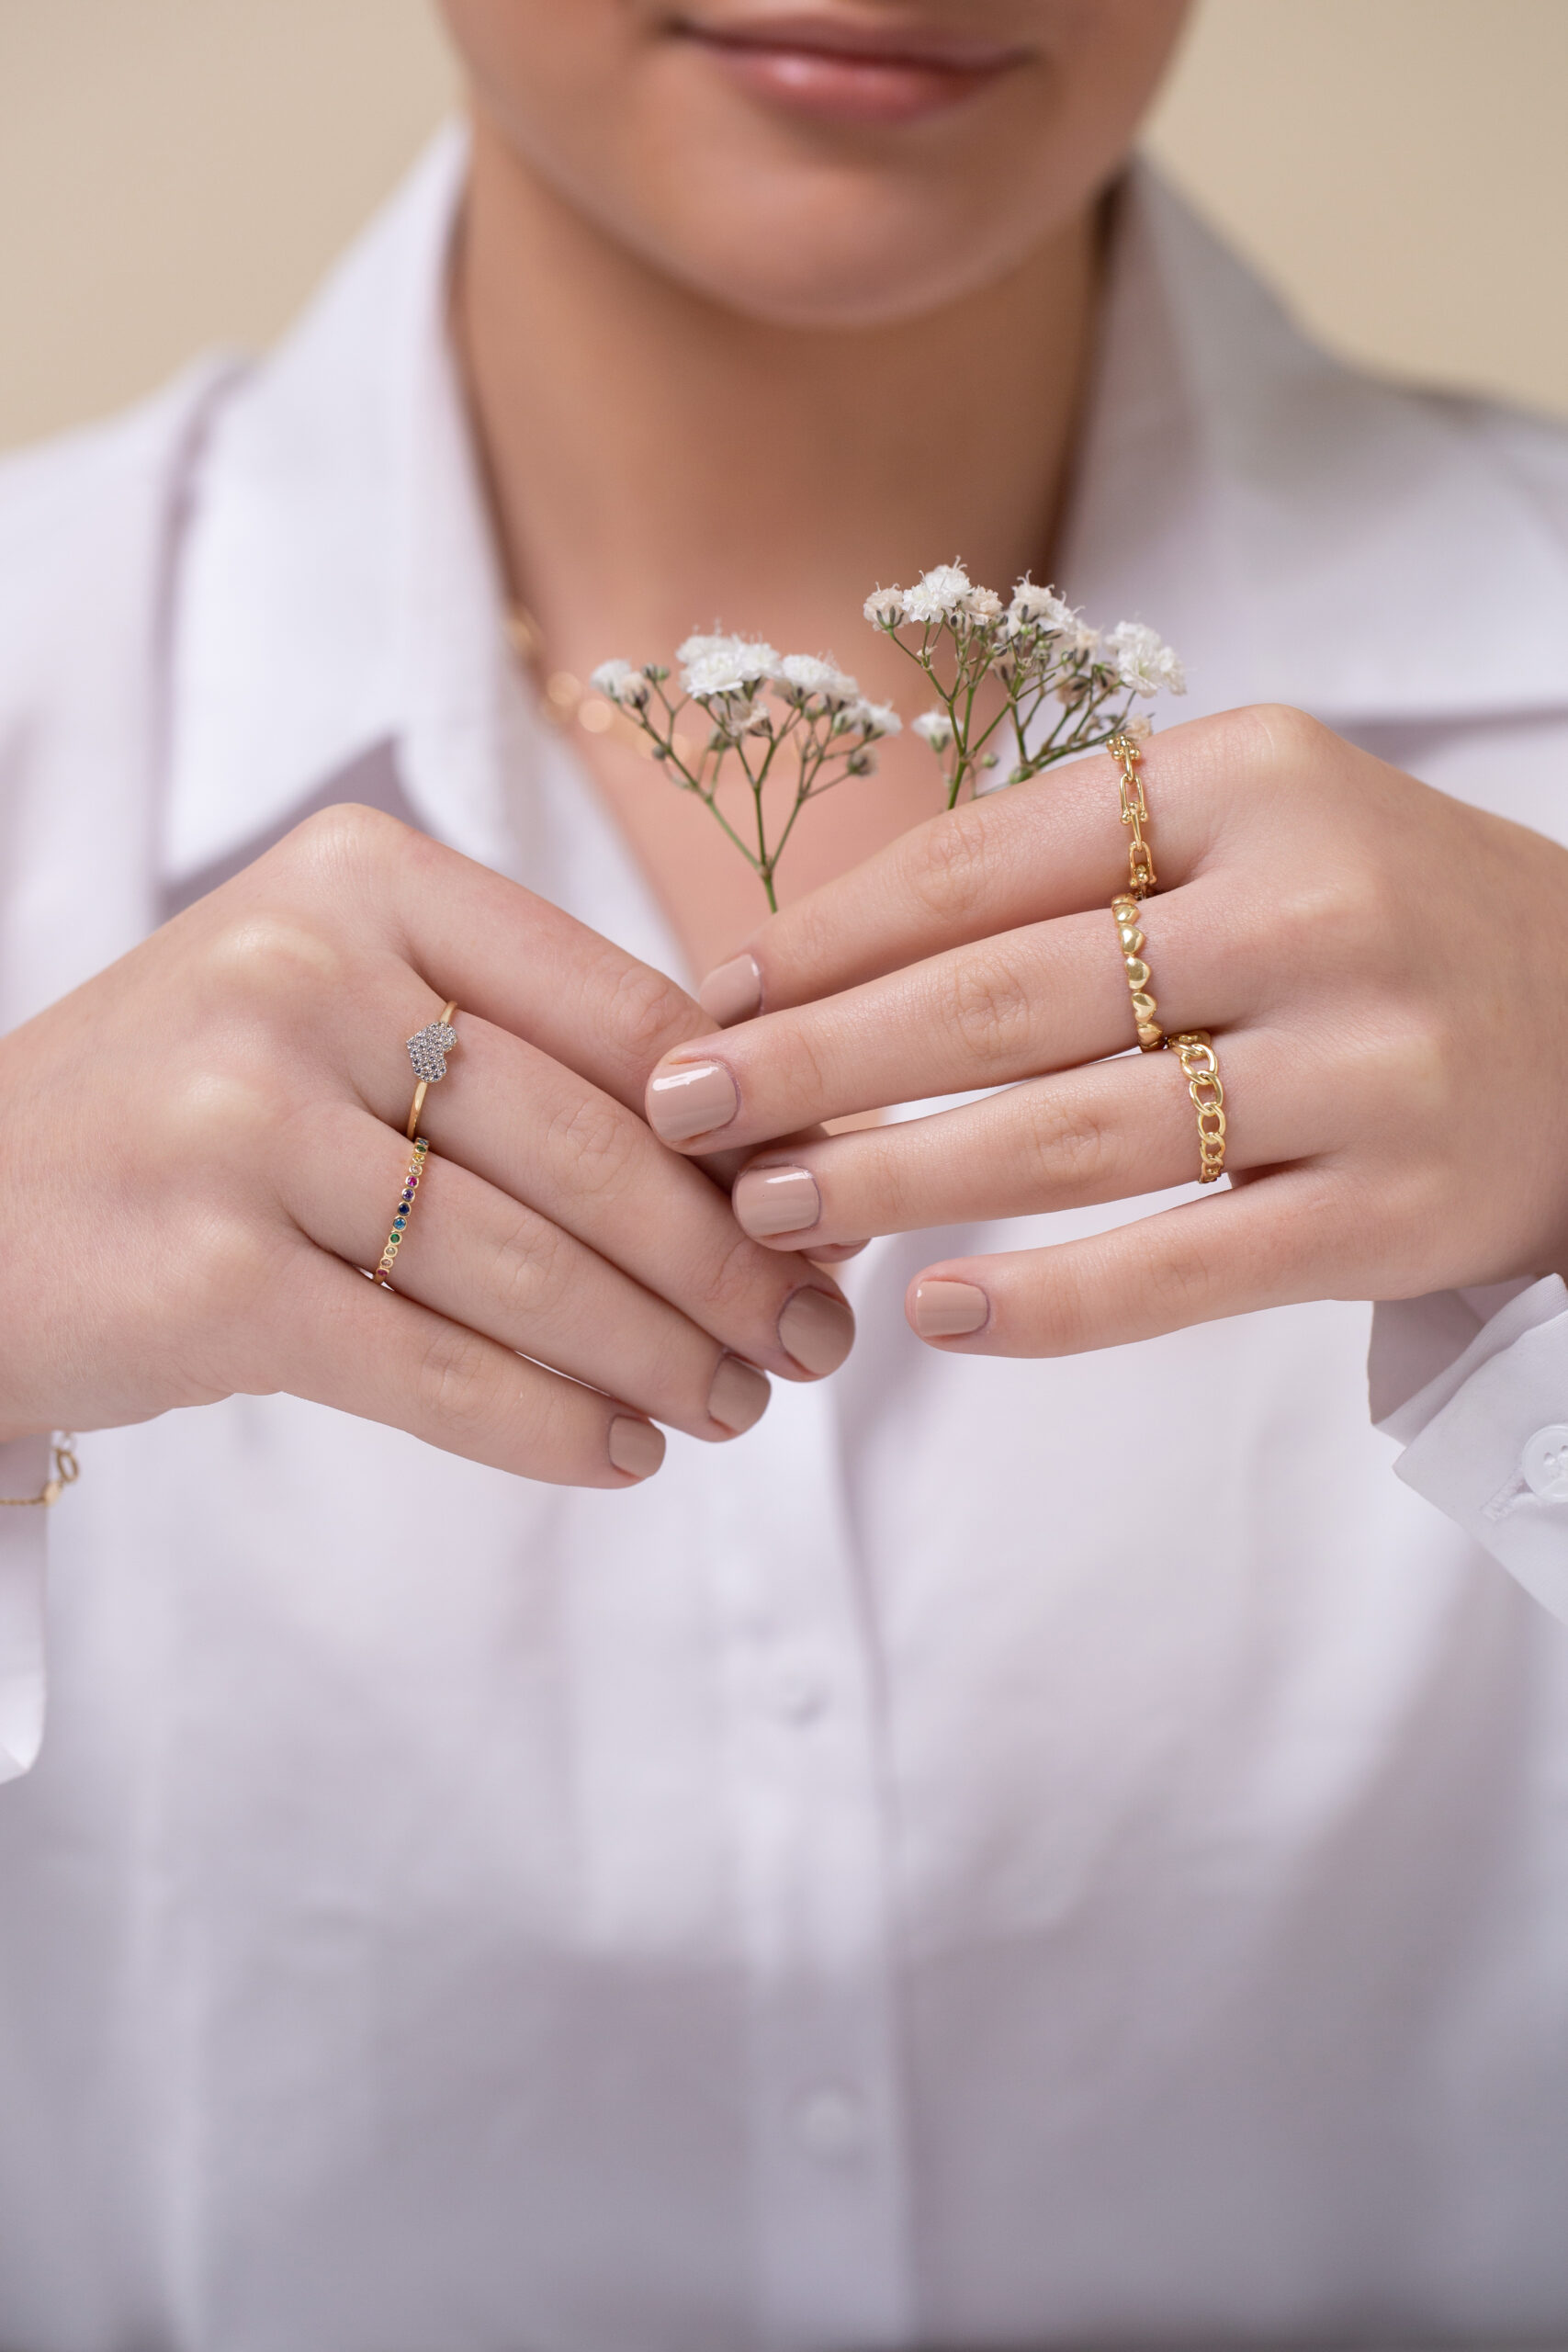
732 991
739 1394
945 1310
817 1331
692 1100
635 1447
776 1200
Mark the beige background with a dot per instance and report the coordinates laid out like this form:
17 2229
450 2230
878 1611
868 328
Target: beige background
176 173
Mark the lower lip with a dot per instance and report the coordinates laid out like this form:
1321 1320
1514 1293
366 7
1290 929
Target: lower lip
834 87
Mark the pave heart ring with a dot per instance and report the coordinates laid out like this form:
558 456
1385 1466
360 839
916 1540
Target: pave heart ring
428 1049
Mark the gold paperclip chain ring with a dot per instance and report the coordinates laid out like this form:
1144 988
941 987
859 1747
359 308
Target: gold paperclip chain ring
1125 751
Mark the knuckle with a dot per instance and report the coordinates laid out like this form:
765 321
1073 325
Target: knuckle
602 1141
226 1270
990 1007
335 843
456 1386
532 1268
1179 1283
1071 1145
735 1283
649 1014
951 868
1283 738
265 954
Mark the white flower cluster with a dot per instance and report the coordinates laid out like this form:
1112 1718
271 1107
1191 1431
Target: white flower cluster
1037 648
1142 663
945 595
619 683
764 708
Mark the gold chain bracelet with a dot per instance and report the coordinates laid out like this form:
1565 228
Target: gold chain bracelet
66 1468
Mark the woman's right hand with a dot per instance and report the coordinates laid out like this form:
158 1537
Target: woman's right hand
204 1144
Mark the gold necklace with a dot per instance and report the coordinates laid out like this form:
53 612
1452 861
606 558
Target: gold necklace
564 699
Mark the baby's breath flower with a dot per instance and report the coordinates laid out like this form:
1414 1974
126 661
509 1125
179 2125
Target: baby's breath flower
1041 608
938 595
883 609
874 720
935 727
1141 662
619 681
811 680
982 605
740 714
725 665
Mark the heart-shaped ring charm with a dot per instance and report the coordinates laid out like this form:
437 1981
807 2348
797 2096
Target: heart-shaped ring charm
428 1050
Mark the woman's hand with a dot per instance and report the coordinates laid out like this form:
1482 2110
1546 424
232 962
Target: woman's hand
1384 971
203 1144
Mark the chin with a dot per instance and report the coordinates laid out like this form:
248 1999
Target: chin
831 249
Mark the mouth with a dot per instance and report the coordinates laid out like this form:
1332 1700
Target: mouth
842 69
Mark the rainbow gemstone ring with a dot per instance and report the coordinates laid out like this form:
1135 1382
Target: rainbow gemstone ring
405 1211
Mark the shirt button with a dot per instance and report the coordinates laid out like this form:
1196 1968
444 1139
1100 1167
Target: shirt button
1545 1463
831 2122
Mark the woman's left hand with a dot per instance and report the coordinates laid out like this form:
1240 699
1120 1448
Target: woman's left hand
1384 971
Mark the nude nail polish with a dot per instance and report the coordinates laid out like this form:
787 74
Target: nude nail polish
817 1330
776 1200
691 1099
732 991
738 1398
635 1447
948 1311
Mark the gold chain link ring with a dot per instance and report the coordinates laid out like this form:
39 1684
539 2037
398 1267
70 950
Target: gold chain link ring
1201 1069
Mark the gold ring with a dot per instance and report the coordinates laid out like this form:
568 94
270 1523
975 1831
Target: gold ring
1151 1037
1126 751
1196 1049
427 1050
394 1240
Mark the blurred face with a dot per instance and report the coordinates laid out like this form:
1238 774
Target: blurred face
820 162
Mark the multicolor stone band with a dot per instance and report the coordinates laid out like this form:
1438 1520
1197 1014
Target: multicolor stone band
405 1209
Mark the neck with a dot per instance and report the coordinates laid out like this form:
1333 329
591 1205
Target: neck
659 463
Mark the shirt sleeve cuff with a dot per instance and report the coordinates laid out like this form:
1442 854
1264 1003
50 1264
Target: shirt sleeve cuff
1485 1431
24 1551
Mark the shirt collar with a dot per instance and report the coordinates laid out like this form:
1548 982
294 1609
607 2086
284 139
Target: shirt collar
339 588
1301 533
1365 552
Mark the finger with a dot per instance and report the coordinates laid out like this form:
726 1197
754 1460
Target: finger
1113 1131
543 1137
483 1260
1052 847
492 946
1272 1243
1014 1006
347 1343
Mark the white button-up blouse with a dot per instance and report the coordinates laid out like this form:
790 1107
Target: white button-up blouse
1004 1854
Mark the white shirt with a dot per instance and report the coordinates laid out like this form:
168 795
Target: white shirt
1005 1852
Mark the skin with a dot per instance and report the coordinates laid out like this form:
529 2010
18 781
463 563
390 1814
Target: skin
1303 886
662 277
662 269
262 1153
670 262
